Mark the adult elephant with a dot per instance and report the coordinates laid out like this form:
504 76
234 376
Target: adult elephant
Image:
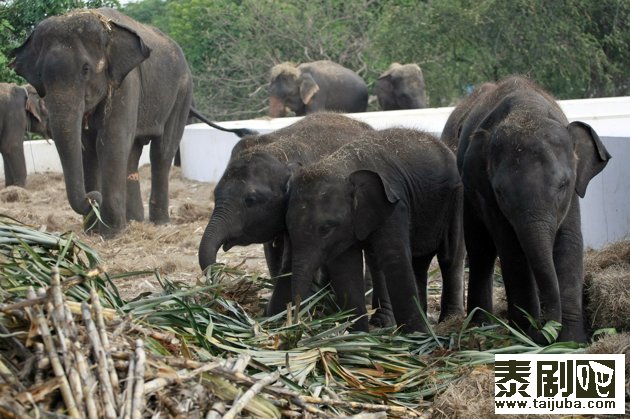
21 110
315 86
250 198
396 194
112 85
401 87
524 166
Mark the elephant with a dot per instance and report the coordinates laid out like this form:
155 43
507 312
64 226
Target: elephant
250 198
315 86
395 194
21 110
524 168
111 85
401 87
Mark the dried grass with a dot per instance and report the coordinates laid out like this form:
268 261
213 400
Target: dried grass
14 194
607 287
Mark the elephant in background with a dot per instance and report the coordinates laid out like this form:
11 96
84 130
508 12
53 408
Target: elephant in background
21 110
395 194
524 167
315 86
112 85
401 87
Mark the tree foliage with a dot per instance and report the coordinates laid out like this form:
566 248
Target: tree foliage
574 48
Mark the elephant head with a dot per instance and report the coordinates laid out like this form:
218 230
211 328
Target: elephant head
329 213
291 89
401 87
250 202
75 61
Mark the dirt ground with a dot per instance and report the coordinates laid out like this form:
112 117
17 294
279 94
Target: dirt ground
171 249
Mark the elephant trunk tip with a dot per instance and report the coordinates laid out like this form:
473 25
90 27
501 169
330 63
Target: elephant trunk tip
206 260
84 206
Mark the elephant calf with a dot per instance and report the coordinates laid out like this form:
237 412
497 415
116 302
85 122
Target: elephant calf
524 166
250 198
21 110
395 194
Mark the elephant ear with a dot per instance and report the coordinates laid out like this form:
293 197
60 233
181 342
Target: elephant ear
591 153
293 168
126 50
308 88
30 106
373 201
24 63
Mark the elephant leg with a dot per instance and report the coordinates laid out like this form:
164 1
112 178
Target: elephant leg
384 315
91 172
160 169
394 259
162 155
346 277
481 257
421 269
450 256
112 156
14 167
135 210
276 254
568 259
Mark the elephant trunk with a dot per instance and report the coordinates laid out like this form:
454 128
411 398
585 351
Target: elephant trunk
304 269
276 107
216 233
65 127
537 240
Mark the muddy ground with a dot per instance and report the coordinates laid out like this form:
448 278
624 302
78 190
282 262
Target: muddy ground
171 249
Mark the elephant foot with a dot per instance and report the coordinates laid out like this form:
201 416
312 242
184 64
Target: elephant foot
573 334
382 319
160 220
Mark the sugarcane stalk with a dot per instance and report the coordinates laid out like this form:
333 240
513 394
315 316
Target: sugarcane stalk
216 411
180 376
242 401
87 381
138 388
108 397
64 386
127 398
102 330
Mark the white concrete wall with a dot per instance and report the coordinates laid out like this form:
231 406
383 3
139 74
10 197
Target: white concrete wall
605 208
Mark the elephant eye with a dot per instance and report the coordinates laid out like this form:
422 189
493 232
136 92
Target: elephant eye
563 184
85 70
327 229
254 198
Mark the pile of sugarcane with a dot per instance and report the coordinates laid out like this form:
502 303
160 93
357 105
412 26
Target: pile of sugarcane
72 346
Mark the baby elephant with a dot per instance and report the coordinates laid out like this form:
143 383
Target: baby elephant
524 166
395 194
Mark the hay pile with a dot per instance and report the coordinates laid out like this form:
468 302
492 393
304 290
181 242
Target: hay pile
607 287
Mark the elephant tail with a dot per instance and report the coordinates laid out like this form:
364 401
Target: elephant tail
241 132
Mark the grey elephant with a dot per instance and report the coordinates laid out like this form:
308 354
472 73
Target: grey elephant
315 86
524 167
21 110
250 198
395 194
401 87
112 85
